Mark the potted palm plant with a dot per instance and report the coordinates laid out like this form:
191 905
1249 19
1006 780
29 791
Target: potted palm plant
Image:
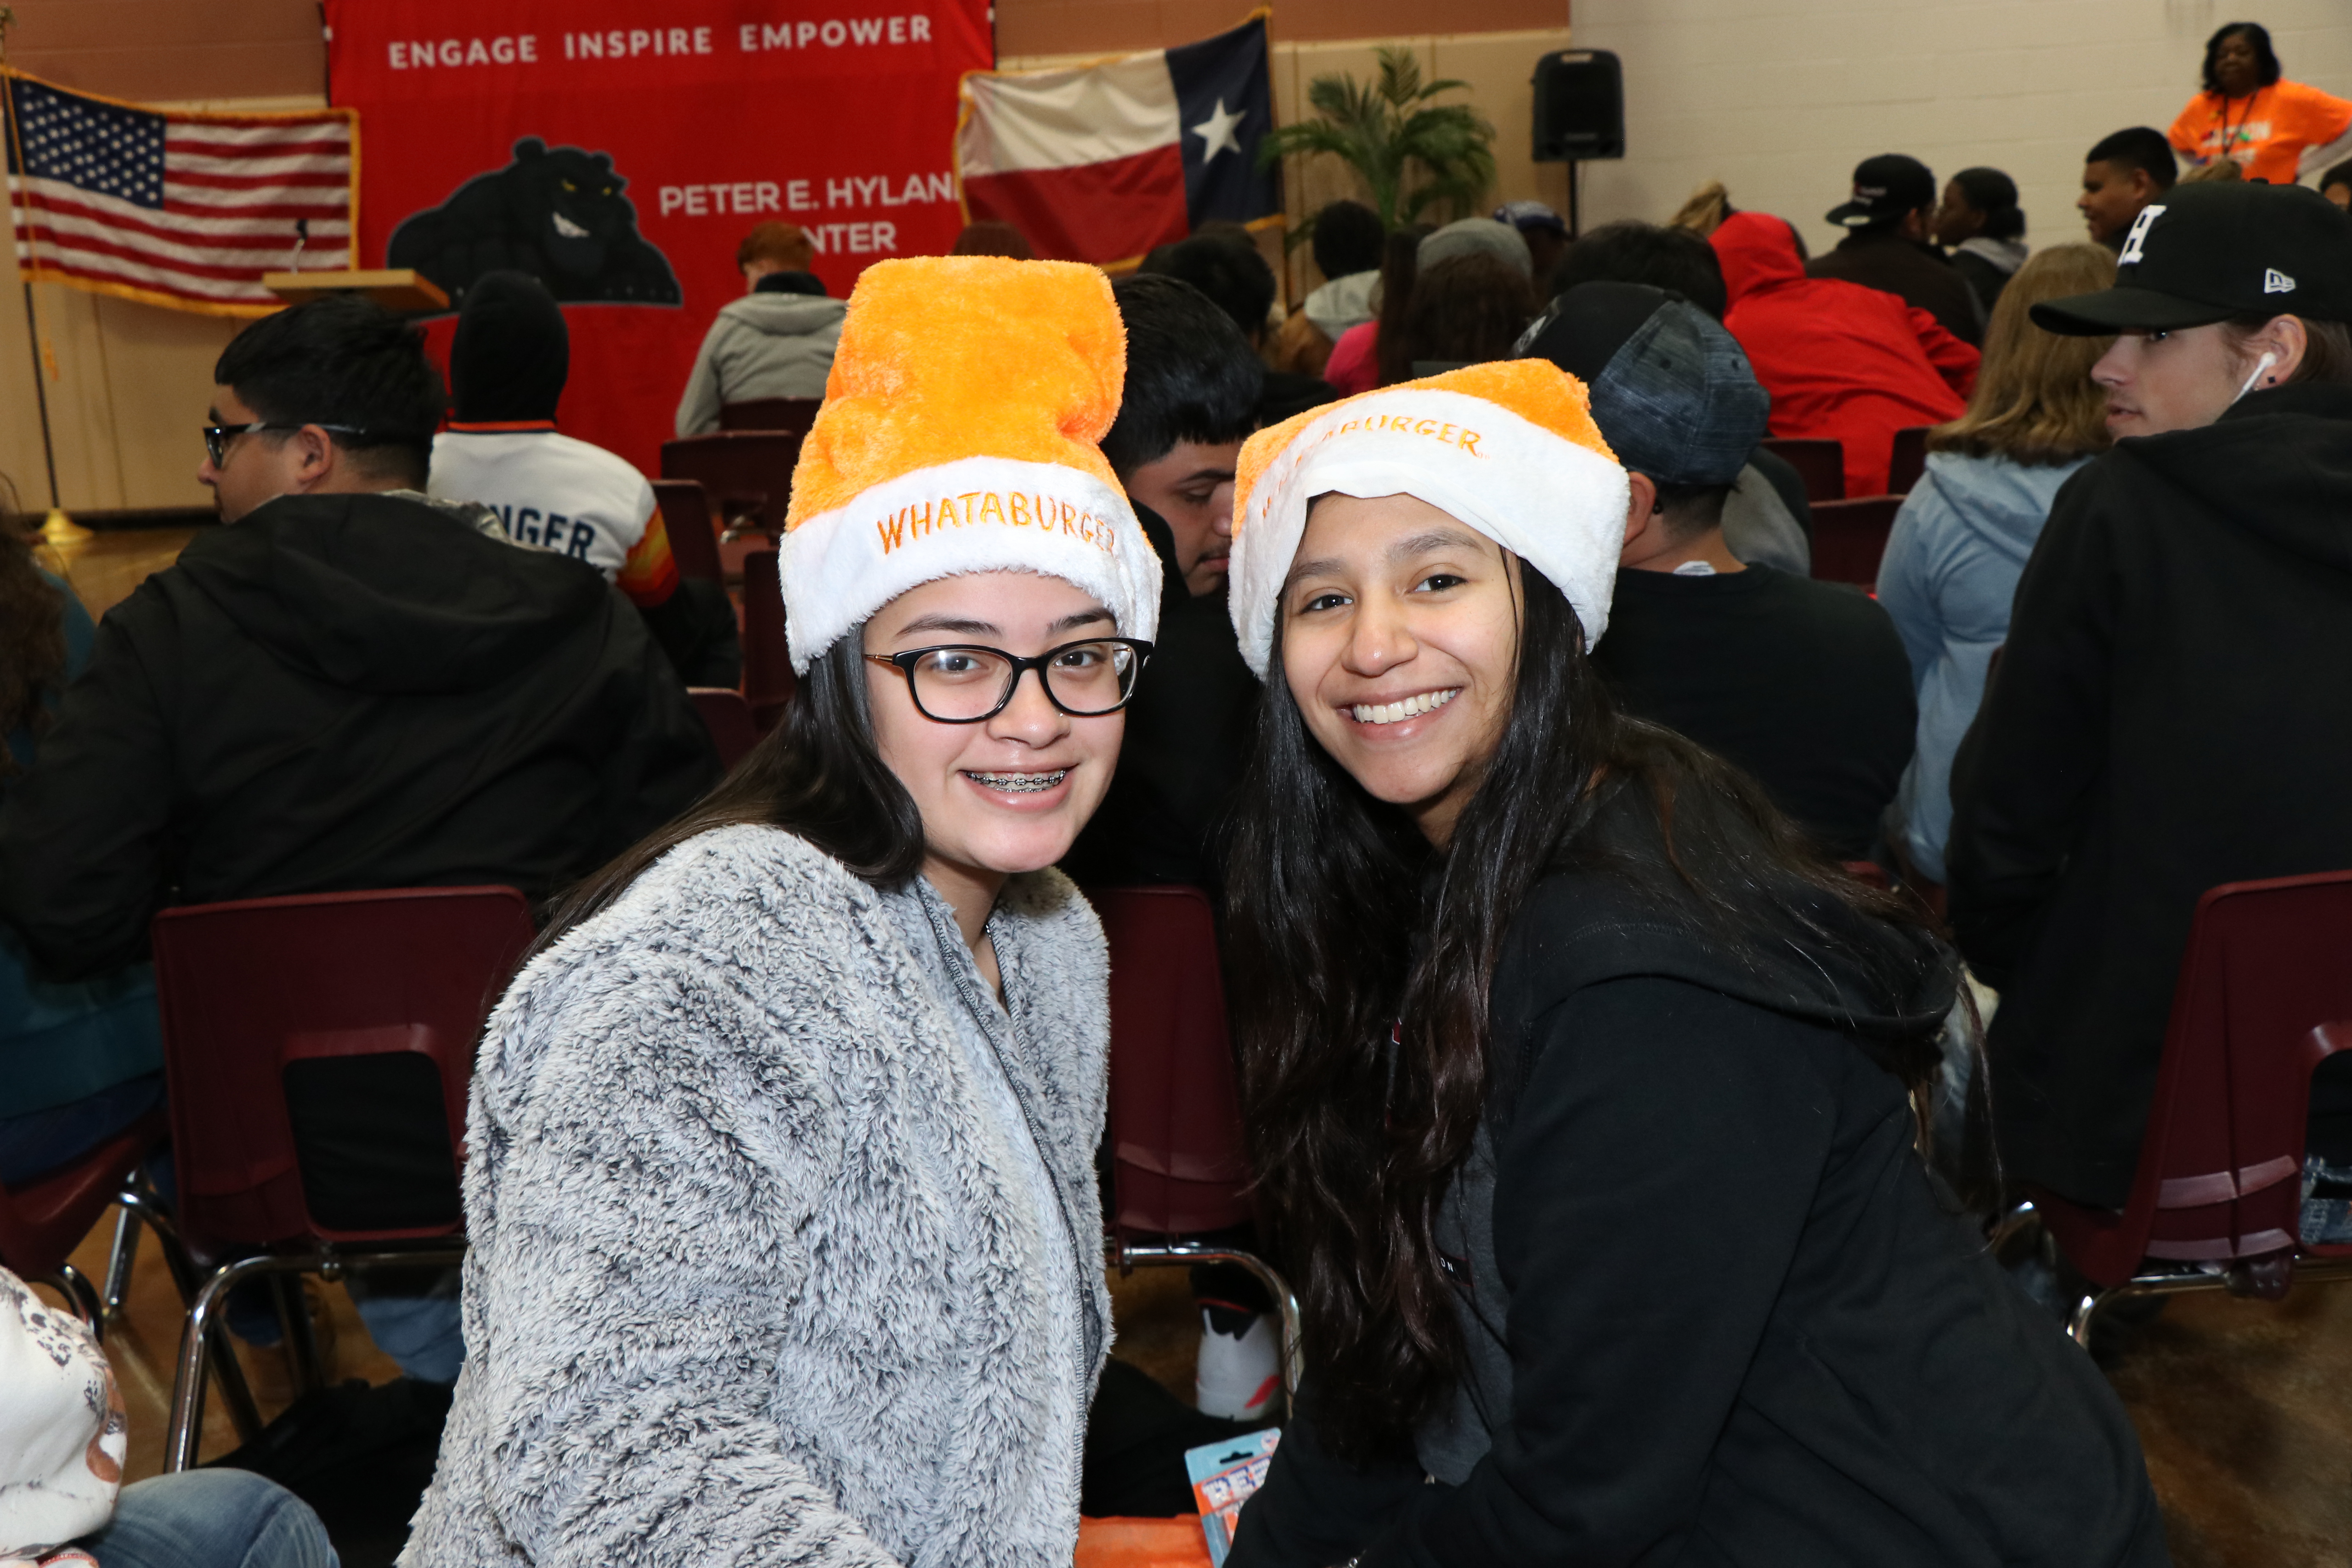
1414 155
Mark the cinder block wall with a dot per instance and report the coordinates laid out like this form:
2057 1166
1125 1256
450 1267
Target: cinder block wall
1780 99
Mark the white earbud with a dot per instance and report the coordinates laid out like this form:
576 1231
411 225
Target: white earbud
2261 365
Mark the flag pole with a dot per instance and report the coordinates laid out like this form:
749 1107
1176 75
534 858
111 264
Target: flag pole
32 322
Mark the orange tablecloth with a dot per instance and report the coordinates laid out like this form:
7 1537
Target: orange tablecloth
1141 1543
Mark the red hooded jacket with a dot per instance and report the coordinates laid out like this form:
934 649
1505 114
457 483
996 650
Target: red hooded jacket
1840 361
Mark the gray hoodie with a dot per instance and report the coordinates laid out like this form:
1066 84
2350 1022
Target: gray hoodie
1950 570
762 345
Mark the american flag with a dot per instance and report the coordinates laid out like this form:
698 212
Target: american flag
176 208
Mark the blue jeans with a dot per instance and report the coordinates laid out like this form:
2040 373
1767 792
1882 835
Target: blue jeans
424 1335
211 1518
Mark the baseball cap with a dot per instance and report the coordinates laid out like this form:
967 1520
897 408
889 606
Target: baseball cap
1526 217
1673 394
2208 252
1884 188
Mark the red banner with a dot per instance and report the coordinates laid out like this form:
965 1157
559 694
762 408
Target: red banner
623 162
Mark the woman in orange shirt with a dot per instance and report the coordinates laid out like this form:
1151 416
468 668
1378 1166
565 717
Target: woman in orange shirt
2272 129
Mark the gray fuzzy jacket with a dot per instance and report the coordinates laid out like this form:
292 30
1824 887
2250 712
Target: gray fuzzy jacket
761 345
751 1279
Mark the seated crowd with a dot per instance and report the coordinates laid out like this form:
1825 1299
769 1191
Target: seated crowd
1574 850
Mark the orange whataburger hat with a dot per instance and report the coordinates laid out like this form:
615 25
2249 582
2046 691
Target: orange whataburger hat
1509 449
959 434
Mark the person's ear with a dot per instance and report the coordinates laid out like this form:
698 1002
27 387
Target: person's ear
1642 518
2286 338
315 457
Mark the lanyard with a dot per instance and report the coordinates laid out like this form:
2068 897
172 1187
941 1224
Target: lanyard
2223 115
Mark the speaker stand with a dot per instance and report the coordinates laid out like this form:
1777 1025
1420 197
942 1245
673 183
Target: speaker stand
1574 230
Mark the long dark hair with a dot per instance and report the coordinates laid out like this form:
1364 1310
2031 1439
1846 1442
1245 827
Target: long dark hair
1467 308
1332 896
1400 266
817 774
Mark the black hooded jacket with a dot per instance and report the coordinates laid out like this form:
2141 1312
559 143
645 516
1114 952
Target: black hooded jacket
2172 711
336 692
1187 738
1714 1313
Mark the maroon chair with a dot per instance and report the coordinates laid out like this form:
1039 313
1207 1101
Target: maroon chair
264 1000
749 473
693 538
43 1220
1820 463
2265 996
1175 1132
1909 460
793 414
728 717
1849 536
768 679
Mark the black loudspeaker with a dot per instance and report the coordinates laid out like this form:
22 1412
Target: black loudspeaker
1579 106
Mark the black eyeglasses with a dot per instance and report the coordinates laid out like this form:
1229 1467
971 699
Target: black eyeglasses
963 684
218 436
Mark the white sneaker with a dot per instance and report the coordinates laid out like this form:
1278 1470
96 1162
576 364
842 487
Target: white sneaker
1239 1376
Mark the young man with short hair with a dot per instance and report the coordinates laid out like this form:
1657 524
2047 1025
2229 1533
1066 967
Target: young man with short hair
1804 684
777 341
2172 710
347 686
1232 273
2122 174
1889 221
1190 400
1191 397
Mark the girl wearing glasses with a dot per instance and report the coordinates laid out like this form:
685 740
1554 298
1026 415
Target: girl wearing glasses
786 1245
1585 1100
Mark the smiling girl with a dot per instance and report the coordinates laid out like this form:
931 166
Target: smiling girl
785 1239
1584 1099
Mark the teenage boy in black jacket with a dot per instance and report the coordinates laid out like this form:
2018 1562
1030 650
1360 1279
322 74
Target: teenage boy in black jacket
345 686
1803 684
2173 709
1191 397
1190 400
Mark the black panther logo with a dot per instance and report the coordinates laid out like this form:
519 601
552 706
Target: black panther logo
559 215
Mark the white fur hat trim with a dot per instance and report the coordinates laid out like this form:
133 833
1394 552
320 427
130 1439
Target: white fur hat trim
975 514
1557 505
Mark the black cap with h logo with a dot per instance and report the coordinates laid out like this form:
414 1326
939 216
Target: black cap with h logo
2206 253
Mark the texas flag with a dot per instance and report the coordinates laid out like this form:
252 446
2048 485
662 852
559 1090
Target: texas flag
1102 162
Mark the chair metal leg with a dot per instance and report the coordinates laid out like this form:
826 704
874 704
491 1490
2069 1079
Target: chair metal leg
2021 1216
81 1298
301 1341
201 1330
120 1260
205 1330
1127 1255
2307 1271
138 1197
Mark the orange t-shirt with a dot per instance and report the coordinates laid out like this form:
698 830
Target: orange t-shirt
2266 134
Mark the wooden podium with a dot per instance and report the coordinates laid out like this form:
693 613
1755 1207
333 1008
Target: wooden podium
401 288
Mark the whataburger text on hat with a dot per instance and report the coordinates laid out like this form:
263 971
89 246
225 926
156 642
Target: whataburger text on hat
1508 448
2206 253
959 435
